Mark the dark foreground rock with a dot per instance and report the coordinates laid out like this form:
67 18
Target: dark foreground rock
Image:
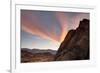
76 44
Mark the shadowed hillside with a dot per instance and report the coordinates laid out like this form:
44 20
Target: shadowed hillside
36 55
76 44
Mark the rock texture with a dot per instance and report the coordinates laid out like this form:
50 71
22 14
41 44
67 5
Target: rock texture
76 44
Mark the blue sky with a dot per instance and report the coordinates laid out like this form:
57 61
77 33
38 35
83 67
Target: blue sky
47 29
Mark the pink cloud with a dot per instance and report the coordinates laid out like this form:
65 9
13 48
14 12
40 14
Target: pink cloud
34 28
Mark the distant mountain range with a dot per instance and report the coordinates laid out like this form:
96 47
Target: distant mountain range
37 55
34 51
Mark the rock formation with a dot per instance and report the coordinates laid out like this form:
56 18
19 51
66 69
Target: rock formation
76 44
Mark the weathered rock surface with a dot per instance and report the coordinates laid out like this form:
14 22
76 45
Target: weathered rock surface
76 44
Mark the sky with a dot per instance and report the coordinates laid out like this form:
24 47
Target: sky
47 29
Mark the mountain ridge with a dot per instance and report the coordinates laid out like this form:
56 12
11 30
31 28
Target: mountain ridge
37 55
76 43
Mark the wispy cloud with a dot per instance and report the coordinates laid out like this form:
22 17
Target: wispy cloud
33 27
39 23
62 19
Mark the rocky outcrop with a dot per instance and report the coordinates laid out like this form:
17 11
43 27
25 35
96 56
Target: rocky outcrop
76 44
